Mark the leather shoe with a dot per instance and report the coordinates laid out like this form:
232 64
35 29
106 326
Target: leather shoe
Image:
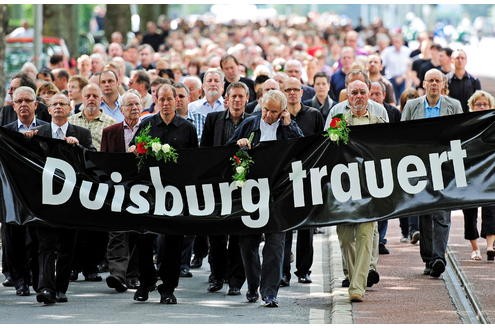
270 301
114 282
304 279
346 283
141 294
215 286
61 297
73 275
382 250
437 268
8 282
22 290
92 277
234 291
373 278
46 296
133 283
185 273
166 297
285 281
252 296
196 262
355 298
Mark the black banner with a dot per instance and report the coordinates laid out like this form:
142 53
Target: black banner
386 171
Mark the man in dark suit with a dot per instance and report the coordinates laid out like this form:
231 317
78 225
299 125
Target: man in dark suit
19 245
7 113
57 244
226 263
274 123
122 256
179 133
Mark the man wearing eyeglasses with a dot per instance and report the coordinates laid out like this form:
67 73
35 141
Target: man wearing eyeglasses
56 244
433 228
310 120
16 251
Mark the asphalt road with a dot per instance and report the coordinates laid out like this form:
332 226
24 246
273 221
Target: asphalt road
95 303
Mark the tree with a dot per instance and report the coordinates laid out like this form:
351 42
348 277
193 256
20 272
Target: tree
62 21
117 18
3 32
151 13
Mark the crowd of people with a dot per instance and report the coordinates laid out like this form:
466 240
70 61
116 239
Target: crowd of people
206 85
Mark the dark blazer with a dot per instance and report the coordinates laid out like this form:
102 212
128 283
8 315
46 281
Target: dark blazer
82 134
323 108
112 139
392 112
308 92
14 127
213 131
252 124
251 106
8 115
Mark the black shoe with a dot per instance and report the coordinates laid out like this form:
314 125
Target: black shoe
252 296
141 294
133 283
196 262
437 268
114 282
61 297
427 270
285 281
490 255
211 278
346 283
373 278
382 250
92 277
73 275
8 282
234 291
166 297
270 301
102 267
215 286
415 237
304 279
22 290
185 273
46 296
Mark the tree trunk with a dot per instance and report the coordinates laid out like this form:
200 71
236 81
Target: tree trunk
151 13
62 21
4 21
117 18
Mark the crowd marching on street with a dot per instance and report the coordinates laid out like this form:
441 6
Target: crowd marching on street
204 85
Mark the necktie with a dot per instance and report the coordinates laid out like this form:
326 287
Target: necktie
59 134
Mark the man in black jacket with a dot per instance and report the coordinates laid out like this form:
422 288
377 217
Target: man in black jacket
219 128
274 123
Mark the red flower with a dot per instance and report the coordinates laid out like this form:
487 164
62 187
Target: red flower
335 122
237 159
140 148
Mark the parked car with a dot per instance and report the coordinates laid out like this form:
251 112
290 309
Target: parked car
21 50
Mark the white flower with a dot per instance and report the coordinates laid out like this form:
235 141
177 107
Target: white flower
239 183
166 148
156 147
334 136
240 169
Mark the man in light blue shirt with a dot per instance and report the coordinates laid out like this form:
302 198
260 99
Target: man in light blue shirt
213 89
112 101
